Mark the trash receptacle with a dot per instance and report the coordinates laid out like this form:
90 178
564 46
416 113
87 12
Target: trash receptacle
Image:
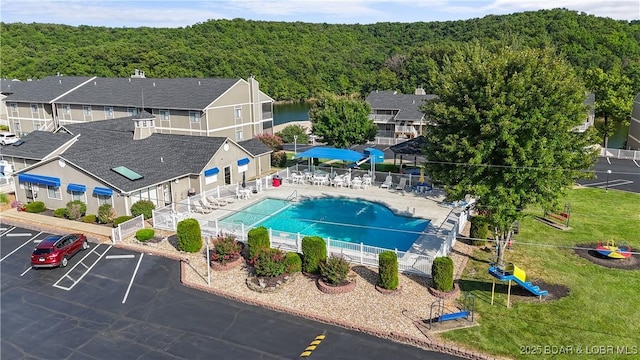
277 180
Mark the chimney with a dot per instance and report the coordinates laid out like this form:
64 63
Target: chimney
144 125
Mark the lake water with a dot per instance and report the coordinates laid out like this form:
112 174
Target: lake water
284 113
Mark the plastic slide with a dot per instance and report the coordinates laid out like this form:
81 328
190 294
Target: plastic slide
518 275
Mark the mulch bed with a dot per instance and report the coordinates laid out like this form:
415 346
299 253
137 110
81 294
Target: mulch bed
632 263
556 291
269 284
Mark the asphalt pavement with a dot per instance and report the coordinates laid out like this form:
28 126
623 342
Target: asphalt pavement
618 174
111 303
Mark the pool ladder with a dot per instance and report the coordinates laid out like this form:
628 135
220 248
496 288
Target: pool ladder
293 196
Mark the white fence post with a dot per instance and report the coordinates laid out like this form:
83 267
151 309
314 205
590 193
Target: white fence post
361 253
328 246
298 243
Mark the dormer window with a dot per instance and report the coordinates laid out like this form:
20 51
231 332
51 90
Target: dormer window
132 111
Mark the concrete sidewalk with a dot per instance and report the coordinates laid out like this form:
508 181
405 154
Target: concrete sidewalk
100 233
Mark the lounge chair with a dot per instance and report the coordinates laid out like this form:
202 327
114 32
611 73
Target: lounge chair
388 182
199 209
402 184
215 202
208 205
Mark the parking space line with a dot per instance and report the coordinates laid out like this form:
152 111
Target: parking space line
18 234
25 271
6 230
28 241
130 256
609 160
132 278
75 282
635 162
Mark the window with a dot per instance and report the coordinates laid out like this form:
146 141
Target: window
194 116
164 115
66 109
87 110
34 108
132 111
238 112
104 199
78 195
54 192
16 127
238 135
14 108
108 112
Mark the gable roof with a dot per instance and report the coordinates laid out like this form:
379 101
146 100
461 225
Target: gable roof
255 147
46 89
178 93
10 86
408 106
37 145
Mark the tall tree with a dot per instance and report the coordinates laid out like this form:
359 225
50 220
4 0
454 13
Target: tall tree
342 121
501 131
614 97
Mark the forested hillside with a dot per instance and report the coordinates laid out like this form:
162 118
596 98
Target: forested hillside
301 60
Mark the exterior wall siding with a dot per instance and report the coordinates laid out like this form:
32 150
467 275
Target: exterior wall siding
633 139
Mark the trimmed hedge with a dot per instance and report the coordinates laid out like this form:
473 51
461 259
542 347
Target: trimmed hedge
335 269
442 273
479 230
314 252
388 270
106 213
60 213
258 239
35 207
293 262
120 219
143 207
145 234
91 219
189 236
76 209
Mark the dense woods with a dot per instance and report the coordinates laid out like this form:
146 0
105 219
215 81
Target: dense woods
295 61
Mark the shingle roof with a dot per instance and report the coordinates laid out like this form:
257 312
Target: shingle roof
412 147
46 89
180 93
255 147
107 144
37 145
408 106
10 86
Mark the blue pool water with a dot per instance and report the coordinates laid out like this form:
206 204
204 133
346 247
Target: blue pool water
342 219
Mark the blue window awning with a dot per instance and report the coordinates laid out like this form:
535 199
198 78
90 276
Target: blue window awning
102 191
76 188
244 161
39 179
210 172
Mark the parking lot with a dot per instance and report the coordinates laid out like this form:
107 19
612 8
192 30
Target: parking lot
110 303
624 175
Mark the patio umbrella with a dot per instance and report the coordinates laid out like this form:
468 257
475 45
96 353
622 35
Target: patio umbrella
421 175
244 184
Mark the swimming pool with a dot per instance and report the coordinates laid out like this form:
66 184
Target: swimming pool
338 218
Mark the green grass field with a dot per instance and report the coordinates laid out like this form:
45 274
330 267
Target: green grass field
601 314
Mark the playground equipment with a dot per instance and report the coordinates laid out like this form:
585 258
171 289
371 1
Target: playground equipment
613 251
513 273
440 316
558 220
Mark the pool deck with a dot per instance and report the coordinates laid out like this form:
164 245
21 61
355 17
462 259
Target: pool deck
429 206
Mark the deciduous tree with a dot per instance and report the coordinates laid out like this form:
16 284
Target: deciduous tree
342 121
501 131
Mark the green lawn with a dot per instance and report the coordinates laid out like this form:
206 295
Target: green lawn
603 306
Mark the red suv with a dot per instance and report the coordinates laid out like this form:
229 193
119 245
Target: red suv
55 250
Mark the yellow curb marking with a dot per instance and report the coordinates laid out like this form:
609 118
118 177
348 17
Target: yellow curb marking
312 346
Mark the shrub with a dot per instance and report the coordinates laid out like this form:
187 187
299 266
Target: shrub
35 207
293 262
388 270
479 230
76 209
61 212
145 234
143 207
442 273
120 219
4 127
274 142
189 235
258 239
106 213
269 262
91 219
288 132
279 158
226 248
4 199
314 251
334 270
